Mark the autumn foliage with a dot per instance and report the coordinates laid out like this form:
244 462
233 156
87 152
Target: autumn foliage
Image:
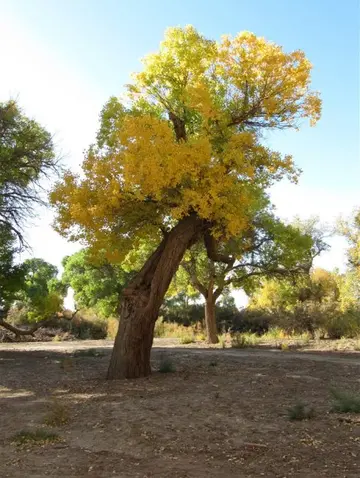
179 159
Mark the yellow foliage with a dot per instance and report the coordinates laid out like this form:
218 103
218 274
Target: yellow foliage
188 140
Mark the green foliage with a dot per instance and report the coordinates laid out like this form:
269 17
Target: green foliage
40 295
11 276
26 156
301 411
166 365
318 302
222 340
187 338
345 401
241 341
36 437
96 283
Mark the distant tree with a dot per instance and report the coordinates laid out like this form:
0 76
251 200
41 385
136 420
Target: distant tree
97 284
26 158
37 293
12 276
268 249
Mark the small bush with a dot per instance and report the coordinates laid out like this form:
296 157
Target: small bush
275 333
200 337
343 325
300 411
37 437
345 402
87 326
166 365
222 341
187 339
213 364
241 341
57 415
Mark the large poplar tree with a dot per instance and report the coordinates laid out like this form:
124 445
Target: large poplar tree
184 163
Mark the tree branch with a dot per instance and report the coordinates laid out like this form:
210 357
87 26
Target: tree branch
212 251
17 331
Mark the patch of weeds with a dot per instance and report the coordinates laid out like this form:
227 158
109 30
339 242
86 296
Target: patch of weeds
213 364
35 437
242 341
345 401
222 341
187 339
166 365
88 353
284 347
200 337
56 338
300 411
57 415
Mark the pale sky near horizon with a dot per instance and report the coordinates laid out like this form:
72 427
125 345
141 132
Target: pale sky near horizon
63 59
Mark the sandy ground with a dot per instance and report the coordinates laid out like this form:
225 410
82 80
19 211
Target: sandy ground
222 413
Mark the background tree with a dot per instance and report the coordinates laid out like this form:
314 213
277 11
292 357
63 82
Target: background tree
187 164
12 276
268 249
26 158
96 284
37 296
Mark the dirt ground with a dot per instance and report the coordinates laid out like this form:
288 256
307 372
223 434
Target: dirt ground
222 413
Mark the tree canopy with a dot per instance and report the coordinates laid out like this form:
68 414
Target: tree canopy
181 159
26 157
192 116
96 285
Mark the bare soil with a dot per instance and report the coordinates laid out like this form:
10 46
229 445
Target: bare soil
223 413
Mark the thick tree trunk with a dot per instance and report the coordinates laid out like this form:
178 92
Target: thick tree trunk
142 300
210 318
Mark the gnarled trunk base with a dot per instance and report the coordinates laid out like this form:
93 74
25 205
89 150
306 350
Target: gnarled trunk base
142 301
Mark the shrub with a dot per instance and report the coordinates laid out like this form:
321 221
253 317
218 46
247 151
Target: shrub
90 327
57 415
200 337
255 321
300 411
166 365
222 340
345 401
240 341
187 338
37 437
345 324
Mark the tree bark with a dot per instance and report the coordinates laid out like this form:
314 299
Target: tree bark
210 317
142 300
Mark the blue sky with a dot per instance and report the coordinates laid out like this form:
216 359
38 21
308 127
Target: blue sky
63 59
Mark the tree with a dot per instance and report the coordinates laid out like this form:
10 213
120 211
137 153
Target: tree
12 276
96 284
186 164
37 292
26 158
268 249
